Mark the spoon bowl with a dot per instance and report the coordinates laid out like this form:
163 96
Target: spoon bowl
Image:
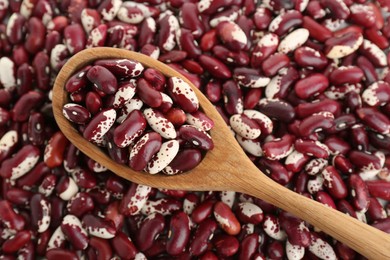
226 167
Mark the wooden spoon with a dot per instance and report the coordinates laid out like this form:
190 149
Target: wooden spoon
226 167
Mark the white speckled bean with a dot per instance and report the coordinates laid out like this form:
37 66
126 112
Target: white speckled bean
164 157
159 123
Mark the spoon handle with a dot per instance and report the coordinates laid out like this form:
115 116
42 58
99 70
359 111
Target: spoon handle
367 240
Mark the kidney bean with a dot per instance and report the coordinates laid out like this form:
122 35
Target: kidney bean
15 243
294 251
226 219
202 211
168 27
320 247
359 192
179 233
102 79
76 113
80 204
278 148
308 57
379 189
275 63
334 183
383 224
102 247
296 230
21 163
130 129
74 232
278 109
99 125
249 213
40 212
185 160
202 236
316 30
244 126
123 246
375 210
149 230
214 67
374 119
373 53
345 207
316 122
376 94
8 144
232 97
182 94
98 227
54 157
226 245
128 205
272 228
9 218
310 86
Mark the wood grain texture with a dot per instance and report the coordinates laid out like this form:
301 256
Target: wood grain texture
226 167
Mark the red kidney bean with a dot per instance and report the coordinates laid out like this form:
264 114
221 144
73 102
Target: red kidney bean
22 162
54 150
249 213
16 243
202 236
123 246
308 57
185 160
343 45
150 228
231 35
102 247
276 170
143 151
75 233
249 246
40 212
76 113
168 27
376 36
375 210
278 109
226 218
315 123
196 137
214 67
326 105
275 63
226 245
9 218
99 125
80 204
102 79
130 129
26 104
317 31
202 211
383 225
334 183
310 86
312 148
278 148
244 126
98 227
374 119
368 69
379 189
179 233
373 53
359 192
296 230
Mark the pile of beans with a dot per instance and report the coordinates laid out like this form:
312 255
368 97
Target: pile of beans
146 131
317 71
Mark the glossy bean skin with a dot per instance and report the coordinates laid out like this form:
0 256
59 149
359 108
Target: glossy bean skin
179 233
